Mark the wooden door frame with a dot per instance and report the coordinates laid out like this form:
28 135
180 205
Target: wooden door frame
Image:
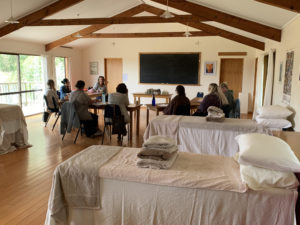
243 59
105 69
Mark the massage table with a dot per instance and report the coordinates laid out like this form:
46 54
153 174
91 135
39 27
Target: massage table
195 134
102 185
13 128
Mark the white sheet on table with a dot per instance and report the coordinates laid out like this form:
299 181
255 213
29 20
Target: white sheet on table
130 203
76 182
195 134
164 125
14 131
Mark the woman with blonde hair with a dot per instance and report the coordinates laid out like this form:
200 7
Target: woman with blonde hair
214 98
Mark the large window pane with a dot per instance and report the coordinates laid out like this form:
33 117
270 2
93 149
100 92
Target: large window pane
60 69
32 102
31 80
9 81
12 99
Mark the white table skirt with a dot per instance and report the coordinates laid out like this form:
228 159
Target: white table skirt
195 134
130 203
13 129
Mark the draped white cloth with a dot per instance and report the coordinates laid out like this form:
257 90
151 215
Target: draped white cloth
13 128
269 80
259 85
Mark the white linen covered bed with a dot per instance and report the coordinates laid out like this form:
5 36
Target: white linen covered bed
13 128
124 200
195 134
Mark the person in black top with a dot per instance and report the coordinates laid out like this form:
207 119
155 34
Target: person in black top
65 89
214 98
180 104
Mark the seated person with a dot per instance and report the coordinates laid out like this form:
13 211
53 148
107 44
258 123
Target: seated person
52 96
65 88
214 98
120 98
229 96
180 104
100 86
81 102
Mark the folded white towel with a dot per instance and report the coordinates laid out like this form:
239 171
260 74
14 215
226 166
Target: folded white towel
157 164
159 142
215 114
157 153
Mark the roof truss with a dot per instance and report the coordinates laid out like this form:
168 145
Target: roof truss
38 15
224 18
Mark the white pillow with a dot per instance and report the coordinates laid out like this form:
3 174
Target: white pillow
273 112
259 178
273 123
267 152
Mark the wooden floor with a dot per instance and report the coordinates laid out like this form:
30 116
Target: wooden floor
26 175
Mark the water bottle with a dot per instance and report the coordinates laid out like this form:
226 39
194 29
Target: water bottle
103 98
153 100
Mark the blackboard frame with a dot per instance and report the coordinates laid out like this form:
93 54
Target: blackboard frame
161 53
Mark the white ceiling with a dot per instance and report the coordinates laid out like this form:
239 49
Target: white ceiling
248 9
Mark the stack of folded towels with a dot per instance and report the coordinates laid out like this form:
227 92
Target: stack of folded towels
215 114
158 152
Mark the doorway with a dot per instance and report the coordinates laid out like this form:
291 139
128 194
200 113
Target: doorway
113 73
232 74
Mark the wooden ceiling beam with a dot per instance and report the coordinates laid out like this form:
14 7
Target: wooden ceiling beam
225 18
292 5
146 35
38 15
117 20
91 29
215 31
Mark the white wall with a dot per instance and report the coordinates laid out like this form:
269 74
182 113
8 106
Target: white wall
129 49
290 42
13 46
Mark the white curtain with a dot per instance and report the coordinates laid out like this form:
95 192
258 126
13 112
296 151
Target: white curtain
259 85
48 69
269 81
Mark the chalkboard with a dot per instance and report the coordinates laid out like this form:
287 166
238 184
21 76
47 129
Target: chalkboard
169 68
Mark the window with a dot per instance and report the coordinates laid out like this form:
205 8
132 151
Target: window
21 82
61 70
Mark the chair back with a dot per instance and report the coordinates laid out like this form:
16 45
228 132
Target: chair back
114 117
110 111
183 110
46 101
54 103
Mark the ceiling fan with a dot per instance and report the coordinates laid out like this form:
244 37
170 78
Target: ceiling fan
11 19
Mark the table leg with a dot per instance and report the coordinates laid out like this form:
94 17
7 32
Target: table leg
137 122
147 117
139 100
130 125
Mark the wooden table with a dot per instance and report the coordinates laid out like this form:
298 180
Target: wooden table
160 107
137 97
93 94
131 109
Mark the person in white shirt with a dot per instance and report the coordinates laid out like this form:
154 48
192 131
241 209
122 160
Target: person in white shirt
120 98
52 97
100 86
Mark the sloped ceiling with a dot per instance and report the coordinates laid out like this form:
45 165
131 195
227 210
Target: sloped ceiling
248 9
